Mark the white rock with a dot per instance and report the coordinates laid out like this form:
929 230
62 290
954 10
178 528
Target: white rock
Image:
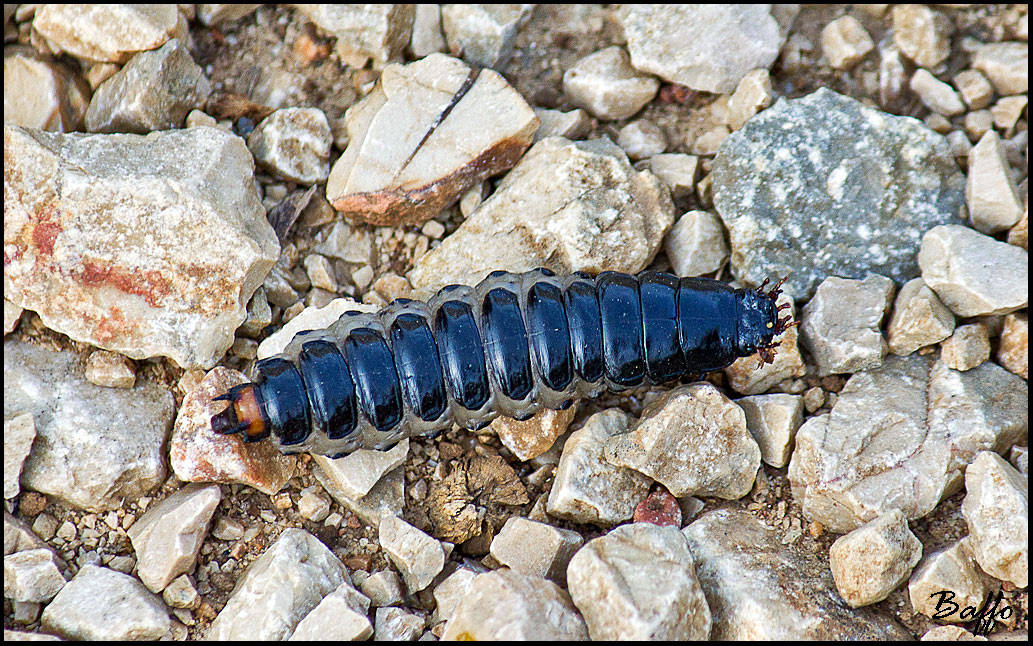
968 347
677 170
418 556
103 605
935 94
642 138
773 420
841 324
996 509
32 576
845 42
752 95
294 144
605 84
696 245
993 199
952 570
922 33
1006 65
379 32
533 548
106 32
311 318
871 561
919 319
340 616
483 34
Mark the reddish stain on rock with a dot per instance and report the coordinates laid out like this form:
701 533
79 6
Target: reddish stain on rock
44 234
659 508
149 285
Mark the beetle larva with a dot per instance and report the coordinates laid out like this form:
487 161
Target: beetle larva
510 346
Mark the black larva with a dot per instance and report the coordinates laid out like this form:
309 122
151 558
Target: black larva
510 346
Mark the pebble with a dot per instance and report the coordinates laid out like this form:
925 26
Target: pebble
320 272
571 125
1013 351
395 624
103 605
975 89
377 32
41 93
838 210
32 576
213 15
919 319
110 369
638 582
198 454
974 274
696 245
280 588
148 291
935 94
154 91
751 600
19 434
346 242
707 143
404 179
433 229
384 588
845 42
773 420
871 561
507 605
900 437
661 508
606 85
1006 65
341 616
968 347
483 34
168 537
418 556
752 95
1007 112
532 437
977 124
841 324
529 547
386 498
450 591
587 488
313 505
96 447
676 42
427 37
544 215
358 472
996 510
922 33
991 194
293 144
108 32
952 569
694 441
677 170
641 139
181 593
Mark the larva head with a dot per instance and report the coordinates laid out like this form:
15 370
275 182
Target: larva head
759 323
244 414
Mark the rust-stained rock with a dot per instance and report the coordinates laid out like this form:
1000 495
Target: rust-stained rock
145 245
530 438
198 454
394 173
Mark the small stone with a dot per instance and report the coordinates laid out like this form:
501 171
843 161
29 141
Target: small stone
320 272
378 32
708 142
357 473
433 229
41 93
750 376
110 369
294 144
19 433
975 89
483 34
259 315
348 243
952 569
605 84
659 508
959 144
935 94
1006 65
571 125
772 420
919 319
427 37
103 605
530 438
641 139
1013 352
107 32
978 123
677 170
813 399
449 592
32 576
312 505
1018 235
845 42
974 274
392 286
1007 112
993 198
871 561
752 95
996 510
472 199
180 593
696 245
418 556
841 324
340 616
968 347
938 123
535 548
384 588
922 33
394 625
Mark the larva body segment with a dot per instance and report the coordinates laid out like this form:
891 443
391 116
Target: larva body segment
511 345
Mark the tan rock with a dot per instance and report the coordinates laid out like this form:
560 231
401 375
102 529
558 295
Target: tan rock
1013 352
530 438
845 42
993 199
106 32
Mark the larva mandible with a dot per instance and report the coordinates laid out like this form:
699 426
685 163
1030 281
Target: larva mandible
510 346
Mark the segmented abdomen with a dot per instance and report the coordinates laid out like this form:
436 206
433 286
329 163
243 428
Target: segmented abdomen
510 346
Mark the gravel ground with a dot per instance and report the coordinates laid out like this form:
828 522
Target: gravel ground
905 240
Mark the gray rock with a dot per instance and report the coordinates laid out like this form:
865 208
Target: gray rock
534 548
279 589
871 561
567 206
900 437
168 537
773 420
587 488
95 447
506 605
341 616
974 274
919 319
676 42
760 589
483 34
841 324
693 440
32 576
379 32
638 582
996 510
418 556
19 433
103 605
293 143
952 569
605 84
107 32
824 186
155 91
169 271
